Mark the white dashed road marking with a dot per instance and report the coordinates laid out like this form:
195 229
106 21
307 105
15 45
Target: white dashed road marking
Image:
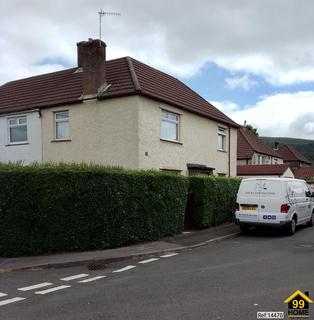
77 276
124 269
36 286
92 279
52 290
3 294
149 260
4 302
169 255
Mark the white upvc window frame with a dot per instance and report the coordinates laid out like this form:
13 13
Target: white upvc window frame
222 134
262 160
62 120
18 124
176 122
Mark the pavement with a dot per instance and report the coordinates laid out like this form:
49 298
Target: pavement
185 241
231 279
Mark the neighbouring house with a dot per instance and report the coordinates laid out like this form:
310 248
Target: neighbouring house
120 112
304 173
292 157
253 151
265 170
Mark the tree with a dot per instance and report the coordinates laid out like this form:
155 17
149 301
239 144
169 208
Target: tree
251 128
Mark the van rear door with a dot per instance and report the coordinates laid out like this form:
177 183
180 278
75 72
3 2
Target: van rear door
270 201
248 199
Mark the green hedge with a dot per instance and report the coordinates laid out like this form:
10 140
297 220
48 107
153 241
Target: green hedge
212 200
57 208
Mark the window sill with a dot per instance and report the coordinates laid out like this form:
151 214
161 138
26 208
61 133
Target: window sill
172 141
16 144
220 150
61 140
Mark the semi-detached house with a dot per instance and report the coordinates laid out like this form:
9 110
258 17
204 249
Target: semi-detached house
119 112
253 151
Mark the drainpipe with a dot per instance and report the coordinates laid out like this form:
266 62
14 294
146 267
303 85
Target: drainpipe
229 139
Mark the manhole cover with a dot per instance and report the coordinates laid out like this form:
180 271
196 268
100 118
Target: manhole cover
97 266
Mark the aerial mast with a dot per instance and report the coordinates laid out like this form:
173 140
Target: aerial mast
102 13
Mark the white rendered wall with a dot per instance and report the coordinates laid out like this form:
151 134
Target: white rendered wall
25 152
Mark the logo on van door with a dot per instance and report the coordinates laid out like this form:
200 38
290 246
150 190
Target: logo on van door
269 217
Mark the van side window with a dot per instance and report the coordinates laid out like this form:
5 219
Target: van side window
306 189
296 189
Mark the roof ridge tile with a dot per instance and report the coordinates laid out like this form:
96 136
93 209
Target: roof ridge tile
136 83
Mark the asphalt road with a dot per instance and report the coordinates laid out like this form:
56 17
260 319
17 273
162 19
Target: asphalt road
232 280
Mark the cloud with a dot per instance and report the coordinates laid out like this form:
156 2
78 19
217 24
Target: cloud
243 82
171 35
272 70
279 115
226 106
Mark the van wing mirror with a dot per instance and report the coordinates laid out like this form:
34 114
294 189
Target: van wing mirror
312 194
308 194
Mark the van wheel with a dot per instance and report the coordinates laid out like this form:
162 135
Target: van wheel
310 223
244 229
292 227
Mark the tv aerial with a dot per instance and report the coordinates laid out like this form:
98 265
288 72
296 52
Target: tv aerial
102 13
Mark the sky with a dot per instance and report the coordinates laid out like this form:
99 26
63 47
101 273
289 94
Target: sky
252 59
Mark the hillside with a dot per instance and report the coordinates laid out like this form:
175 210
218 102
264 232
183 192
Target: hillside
306 147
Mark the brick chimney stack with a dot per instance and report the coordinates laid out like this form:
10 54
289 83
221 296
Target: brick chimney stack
91 56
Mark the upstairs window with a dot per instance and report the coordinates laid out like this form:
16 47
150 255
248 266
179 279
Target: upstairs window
170 126
262 160
62 125
17 130
221 139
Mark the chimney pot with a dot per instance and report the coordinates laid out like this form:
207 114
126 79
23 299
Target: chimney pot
91 56
276 146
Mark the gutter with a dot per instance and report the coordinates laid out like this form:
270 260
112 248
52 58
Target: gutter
20 112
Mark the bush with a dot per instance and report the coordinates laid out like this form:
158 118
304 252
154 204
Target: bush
56 208
212 200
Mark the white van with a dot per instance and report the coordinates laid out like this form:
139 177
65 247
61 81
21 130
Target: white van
276 202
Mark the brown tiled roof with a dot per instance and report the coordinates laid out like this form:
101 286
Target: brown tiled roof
40 91
288 153
304 172
248 143
262 170
126 76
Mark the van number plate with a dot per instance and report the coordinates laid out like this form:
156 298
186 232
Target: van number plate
249 208
269 217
